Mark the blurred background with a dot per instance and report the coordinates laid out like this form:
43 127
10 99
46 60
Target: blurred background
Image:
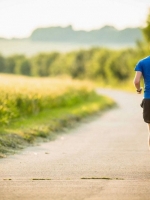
94 40
54 53
89 39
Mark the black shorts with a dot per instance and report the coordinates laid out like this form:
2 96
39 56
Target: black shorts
146 110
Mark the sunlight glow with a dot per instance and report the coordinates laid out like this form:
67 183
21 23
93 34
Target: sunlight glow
18 18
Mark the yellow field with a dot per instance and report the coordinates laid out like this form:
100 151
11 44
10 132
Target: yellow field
22 96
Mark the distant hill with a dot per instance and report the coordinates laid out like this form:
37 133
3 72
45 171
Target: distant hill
106 35
66 39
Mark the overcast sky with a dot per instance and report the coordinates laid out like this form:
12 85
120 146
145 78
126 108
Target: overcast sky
18 18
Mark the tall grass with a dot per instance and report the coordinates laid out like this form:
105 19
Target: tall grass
24 96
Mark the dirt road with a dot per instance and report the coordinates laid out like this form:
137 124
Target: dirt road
104 159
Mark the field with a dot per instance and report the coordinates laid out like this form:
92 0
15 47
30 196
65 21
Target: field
39 107
24 96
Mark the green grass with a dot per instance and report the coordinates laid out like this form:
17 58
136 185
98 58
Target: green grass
127 85
48 124
124 85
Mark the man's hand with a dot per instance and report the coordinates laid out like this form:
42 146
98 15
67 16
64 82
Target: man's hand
139 91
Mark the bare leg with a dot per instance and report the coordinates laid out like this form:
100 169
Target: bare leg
149 135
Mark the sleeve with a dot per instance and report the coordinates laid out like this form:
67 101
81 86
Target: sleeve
138 67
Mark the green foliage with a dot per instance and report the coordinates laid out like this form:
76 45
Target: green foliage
61 65
49 123
77 69
23 67
20 96
41 63
10 65
18 64
2 64
101 64
96 66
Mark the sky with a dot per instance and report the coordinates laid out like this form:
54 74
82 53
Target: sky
18 18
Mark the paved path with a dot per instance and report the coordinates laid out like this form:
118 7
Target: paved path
110 153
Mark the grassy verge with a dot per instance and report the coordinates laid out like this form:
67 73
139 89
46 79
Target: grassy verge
47 124
124 85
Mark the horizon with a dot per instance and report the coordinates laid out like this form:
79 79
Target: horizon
66 27
19 18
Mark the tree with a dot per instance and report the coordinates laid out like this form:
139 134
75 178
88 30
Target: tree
42 62
2 63
78 66
22 65
10 65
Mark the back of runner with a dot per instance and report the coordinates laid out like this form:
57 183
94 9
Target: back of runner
143 70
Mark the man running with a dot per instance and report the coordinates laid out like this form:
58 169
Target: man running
143 70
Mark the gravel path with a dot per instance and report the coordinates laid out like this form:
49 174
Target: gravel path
104 159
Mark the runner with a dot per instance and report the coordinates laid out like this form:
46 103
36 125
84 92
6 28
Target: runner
143 70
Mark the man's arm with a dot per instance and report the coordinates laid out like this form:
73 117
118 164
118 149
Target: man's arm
136 81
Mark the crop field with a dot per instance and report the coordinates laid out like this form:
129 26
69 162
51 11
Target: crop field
23 96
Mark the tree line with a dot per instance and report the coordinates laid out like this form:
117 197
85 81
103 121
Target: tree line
96 63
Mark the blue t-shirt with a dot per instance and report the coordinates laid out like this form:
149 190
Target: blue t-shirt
144 67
